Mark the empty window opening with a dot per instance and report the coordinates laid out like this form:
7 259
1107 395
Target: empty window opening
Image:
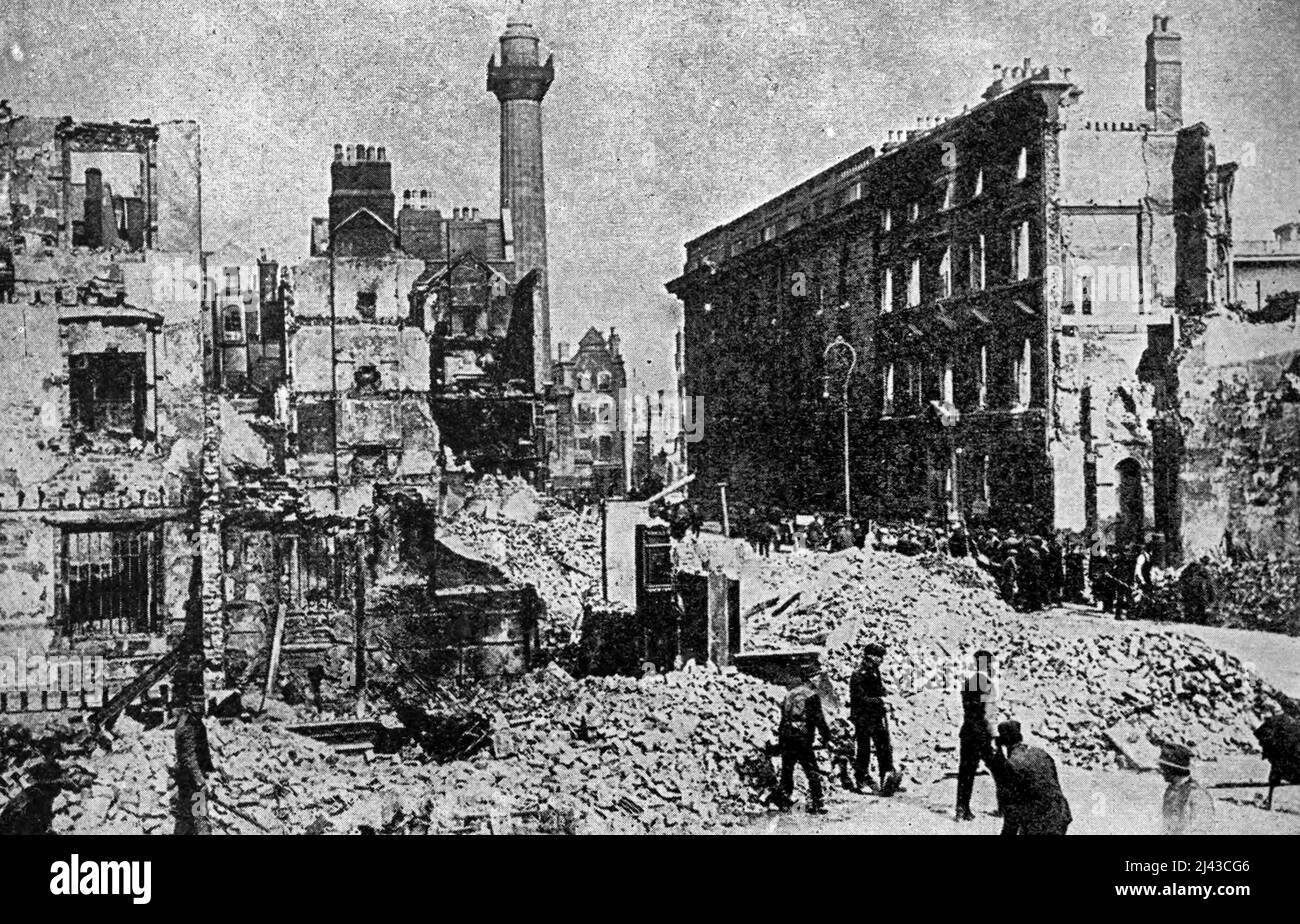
108 393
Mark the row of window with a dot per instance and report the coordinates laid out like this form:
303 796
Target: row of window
911 377
950 193
942 285
854 193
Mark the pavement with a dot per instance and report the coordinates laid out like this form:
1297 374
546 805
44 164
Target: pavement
1102 802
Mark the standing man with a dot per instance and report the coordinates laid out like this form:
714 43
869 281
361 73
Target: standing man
1030 791
870 722
1142 583
802 720
1187 808
1197 588
193 765
979 708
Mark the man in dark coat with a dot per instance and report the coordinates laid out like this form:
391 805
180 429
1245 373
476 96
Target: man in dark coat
1197 589
1007 573
802 720
979 704
1031 795
193 765
1055 569
32 810
1029 574
867 711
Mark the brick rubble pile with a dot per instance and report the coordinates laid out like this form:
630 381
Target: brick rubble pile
1067 685
555 549
615 754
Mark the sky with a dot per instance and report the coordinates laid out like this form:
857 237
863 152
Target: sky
666 118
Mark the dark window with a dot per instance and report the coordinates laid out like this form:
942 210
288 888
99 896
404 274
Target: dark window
366 379
366 305
234 320
108 582
606 449
108 393
316 426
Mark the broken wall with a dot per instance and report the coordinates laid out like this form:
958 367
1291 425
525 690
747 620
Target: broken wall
1115 276
1241 421
364 418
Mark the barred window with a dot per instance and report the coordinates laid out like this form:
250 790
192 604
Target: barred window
109 582
324 573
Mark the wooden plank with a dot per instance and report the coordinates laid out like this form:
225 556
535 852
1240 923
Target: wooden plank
273 666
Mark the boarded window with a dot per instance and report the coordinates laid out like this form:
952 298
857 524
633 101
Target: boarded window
109 582
108 393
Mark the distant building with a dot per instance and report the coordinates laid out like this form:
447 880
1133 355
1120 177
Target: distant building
1263 269
587 388
1011 278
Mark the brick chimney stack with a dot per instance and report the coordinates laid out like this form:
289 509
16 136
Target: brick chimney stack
1164 75
520 82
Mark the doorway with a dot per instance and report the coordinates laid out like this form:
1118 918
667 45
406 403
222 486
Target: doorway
1132 517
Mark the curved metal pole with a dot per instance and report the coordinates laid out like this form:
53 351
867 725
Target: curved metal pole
853 361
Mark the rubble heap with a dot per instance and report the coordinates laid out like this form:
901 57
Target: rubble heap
1066 684
615 754
558 552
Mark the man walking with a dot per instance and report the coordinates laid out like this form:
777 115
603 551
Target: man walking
979 705
870 723
193 765
1028 787
802 719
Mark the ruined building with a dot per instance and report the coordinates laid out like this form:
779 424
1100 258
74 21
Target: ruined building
247 453
588 459
102 474
1013 280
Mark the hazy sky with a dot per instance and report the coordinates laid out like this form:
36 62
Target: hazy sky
666 117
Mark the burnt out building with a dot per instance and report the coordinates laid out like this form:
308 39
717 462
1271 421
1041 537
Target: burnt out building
1012 279
104 416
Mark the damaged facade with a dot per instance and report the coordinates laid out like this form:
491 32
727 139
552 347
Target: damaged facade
104 410
1012 280
249 452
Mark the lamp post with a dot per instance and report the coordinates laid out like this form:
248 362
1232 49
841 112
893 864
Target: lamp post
844 401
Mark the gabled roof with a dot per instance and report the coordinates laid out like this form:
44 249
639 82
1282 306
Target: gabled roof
389 228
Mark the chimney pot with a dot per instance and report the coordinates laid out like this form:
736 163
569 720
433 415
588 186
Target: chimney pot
361 152
338 152
370 152
455 214
475 216
381 154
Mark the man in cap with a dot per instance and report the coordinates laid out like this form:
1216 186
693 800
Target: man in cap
1028 787
802 719
1187 808
870 722
32 810
979 704
193 762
